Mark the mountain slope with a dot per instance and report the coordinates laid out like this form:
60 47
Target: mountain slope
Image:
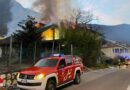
19 13
116 32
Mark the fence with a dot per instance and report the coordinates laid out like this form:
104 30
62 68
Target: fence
13 55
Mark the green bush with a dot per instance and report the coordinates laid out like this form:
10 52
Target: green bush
101 66
112 62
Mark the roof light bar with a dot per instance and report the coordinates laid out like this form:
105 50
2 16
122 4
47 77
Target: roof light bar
57 55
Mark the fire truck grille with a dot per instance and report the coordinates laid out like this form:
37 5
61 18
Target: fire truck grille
29 84
22 76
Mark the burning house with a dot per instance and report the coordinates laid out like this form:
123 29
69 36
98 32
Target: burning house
50 36
48 32
49 44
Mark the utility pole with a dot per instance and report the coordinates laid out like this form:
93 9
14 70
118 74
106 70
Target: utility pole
21 52
71 49
10 52
59 48
35 52
53 45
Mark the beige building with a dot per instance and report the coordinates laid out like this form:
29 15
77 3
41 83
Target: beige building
114 49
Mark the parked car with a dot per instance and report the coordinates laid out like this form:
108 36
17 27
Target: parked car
127 61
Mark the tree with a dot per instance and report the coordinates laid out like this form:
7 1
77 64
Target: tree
29 34
86 42
29 37
82 18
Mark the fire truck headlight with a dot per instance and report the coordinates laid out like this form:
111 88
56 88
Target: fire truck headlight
18 75
40 76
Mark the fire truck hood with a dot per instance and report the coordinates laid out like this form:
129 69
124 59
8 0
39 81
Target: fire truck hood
38 70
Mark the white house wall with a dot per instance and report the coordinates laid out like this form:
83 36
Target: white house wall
108 52
111 54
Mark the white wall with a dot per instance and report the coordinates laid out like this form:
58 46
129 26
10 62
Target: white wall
109 52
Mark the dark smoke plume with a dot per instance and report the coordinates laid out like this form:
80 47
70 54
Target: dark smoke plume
52 9
48 8
5 16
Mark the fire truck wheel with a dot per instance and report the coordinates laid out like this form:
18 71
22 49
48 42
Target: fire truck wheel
77 78
51 85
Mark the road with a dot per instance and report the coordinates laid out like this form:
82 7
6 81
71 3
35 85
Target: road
106 79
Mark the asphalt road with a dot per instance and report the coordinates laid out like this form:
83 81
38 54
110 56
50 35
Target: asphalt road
107 79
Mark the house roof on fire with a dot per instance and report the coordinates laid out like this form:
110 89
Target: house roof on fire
5 41
44 28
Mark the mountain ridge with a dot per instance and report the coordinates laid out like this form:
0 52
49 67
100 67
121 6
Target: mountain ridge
19 13
116 32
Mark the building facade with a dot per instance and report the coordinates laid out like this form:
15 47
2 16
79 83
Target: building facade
114 49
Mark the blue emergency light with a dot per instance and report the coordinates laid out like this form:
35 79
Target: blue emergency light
127 57
57 55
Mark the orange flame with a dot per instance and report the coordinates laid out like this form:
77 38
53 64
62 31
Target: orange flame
37 25
73 27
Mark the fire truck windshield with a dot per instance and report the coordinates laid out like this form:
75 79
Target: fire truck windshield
46 63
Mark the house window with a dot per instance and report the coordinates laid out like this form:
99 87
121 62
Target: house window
116 50
126 50
121 50
69 62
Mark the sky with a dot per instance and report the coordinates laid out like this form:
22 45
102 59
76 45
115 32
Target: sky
108 12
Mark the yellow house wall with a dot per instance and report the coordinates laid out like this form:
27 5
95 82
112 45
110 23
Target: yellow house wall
48 34
1 38
109 51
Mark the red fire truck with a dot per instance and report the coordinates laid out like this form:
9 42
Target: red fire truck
50 73
1 83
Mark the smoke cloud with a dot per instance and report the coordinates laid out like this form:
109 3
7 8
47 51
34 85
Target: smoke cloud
53 10
5 16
